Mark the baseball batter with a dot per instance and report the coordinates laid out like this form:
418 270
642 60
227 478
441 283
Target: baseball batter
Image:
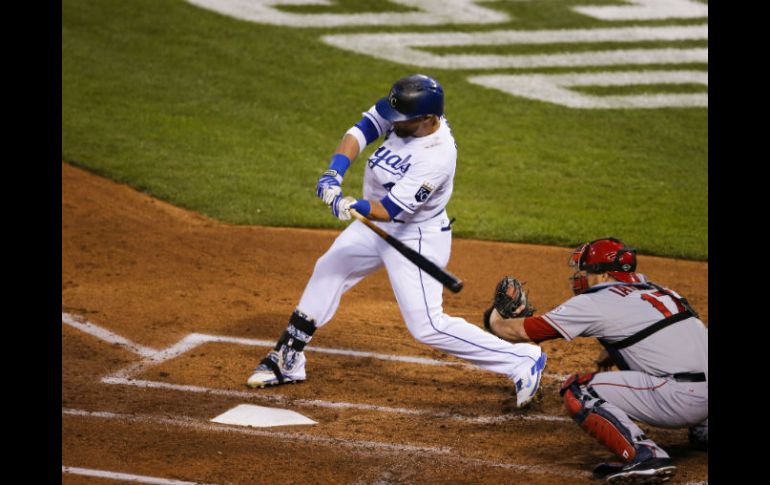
649 332
407 184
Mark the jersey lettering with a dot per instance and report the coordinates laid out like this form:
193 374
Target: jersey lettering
650 298
389 161
623 290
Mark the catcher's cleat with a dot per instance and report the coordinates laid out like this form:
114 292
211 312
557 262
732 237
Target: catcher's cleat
276 369
528 384
652 471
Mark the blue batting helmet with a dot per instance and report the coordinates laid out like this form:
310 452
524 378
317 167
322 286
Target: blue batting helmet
412 97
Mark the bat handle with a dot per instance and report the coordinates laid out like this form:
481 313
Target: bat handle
369 223
358 215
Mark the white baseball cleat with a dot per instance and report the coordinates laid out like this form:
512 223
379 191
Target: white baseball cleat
528 384
277 368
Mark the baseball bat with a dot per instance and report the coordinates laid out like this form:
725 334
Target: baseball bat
444 277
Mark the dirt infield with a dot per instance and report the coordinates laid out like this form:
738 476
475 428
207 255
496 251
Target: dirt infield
138 269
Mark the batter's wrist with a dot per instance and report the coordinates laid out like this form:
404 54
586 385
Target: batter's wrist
339 164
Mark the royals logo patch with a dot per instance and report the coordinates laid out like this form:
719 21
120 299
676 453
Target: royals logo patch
424 192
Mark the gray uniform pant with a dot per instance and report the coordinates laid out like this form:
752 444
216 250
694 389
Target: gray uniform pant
659 401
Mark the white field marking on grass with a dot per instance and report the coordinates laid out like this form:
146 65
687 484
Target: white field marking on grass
278 399
405 48
125 477
430 12
647 10
442 453
107 336
554 88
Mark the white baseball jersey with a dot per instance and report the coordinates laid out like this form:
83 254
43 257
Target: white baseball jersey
415 173
615 311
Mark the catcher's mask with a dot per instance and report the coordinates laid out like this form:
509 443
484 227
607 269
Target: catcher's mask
608 255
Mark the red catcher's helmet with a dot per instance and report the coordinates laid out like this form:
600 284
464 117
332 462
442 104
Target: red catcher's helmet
608 255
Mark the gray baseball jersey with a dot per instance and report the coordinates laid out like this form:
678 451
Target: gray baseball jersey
657 382
615 311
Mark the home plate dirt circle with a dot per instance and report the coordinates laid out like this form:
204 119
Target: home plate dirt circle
181 306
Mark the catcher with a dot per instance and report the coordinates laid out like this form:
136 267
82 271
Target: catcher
649 332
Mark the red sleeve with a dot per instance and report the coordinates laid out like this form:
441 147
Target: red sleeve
538 329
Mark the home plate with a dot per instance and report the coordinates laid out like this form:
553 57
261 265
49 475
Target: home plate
261 417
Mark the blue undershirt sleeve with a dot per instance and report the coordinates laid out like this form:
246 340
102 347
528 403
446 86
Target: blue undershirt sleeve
368 129
391 207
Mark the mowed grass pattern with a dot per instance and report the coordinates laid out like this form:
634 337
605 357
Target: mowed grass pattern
237 120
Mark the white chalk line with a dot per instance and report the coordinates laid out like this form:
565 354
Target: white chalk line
332 404
442 452
107 336
126 477
123 377
196 339
154 357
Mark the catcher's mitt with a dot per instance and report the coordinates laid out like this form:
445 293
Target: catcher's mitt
509 296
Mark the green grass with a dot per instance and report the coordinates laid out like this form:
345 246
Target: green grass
237 120
561 48
642 89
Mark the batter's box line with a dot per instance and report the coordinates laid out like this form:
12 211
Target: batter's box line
126 477
154 357
362 446
286 401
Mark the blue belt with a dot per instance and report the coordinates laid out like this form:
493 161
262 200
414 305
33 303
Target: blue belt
418 222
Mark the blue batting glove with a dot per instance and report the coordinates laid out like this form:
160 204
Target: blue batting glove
329 185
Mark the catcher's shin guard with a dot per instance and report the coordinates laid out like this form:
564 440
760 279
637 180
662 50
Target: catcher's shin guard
586 410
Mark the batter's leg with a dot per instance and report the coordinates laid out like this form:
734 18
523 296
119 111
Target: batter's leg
352 256
419 298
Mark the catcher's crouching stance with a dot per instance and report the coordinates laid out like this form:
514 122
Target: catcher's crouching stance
649 332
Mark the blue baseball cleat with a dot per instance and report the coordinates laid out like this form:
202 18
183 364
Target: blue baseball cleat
528 384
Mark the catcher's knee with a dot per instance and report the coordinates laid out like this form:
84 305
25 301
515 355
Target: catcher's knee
573 393
585 408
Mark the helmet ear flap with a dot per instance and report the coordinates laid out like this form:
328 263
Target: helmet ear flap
626 259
